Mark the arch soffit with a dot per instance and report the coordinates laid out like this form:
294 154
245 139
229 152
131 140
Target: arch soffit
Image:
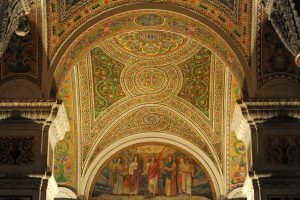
110 131
197 153
198 27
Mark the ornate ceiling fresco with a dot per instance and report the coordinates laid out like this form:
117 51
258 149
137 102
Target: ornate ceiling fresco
232 16
148 81
149 71
128 26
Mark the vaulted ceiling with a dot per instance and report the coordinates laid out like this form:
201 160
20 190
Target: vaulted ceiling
148 73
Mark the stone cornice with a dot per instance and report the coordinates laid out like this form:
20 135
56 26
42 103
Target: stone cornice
50 113
36 110
259 110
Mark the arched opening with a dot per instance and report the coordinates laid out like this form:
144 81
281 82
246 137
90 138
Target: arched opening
161 72
214 179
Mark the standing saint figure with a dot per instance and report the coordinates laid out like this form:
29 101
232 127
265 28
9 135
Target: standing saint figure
134 174
170 174
118 170
187 177
180 174
126 186
152 170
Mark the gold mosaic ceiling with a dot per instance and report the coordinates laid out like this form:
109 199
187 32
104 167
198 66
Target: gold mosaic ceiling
148 36
145 71
232 16
147 81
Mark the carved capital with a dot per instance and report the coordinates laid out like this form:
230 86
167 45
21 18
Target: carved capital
59 126
260 110
240 126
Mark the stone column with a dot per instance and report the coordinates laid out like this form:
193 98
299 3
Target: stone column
274 148
28 132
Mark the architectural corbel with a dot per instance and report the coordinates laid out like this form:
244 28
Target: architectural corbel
240 126
60 125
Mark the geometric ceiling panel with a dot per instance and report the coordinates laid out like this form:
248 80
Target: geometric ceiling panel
196 76
178 26
106 80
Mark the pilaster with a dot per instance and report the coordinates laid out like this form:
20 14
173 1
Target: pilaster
274 168
26 128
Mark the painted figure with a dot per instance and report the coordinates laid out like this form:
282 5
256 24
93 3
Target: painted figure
134 173
180 175
170 174
187 176
118 170
126 186
153 168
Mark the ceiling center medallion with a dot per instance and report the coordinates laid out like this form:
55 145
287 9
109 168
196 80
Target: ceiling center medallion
151 80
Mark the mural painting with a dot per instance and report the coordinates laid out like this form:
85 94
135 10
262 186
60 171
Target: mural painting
238 165
237 149
150 171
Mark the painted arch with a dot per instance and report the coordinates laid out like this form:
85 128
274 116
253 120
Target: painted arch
119 21
160 73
